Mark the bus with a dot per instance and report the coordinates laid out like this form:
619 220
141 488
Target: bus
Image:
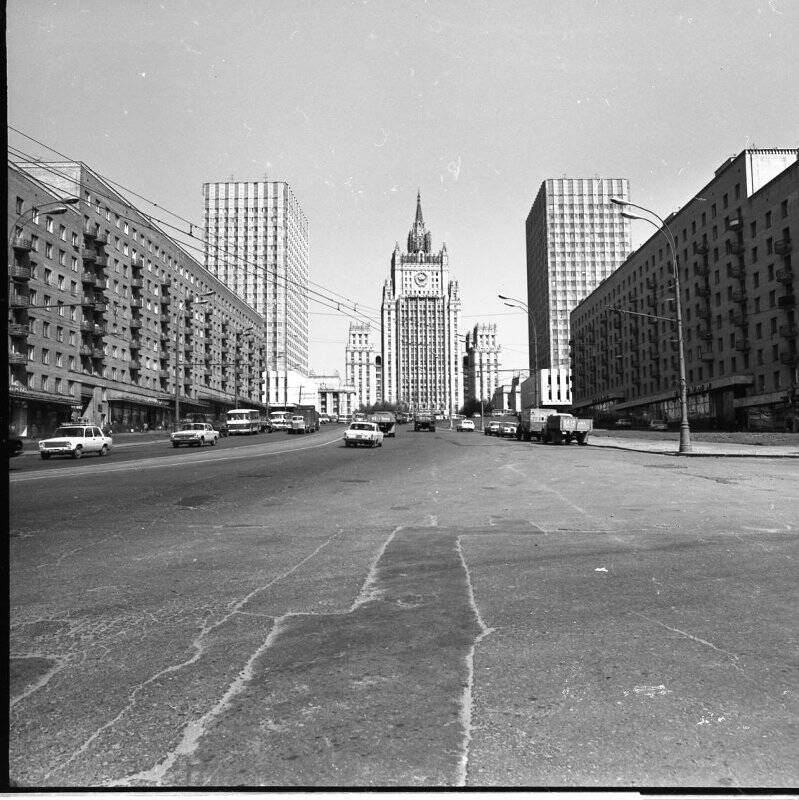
280 420
243 420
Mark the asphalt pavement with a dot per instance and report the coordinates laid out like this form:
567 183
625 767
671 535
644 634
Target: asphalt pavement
449 610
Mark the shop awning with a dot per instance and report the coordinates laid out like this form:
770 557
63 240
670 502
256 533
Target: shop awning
115 396
21 393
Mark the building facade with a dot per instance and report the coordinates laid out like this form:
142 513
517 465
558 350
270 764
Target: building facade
735 243
110 320
575 238
420 321
256 243
362 366
481 362
550 389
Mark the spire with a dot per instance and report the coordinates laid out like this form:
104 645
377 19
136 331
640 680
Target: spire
419 239
419 220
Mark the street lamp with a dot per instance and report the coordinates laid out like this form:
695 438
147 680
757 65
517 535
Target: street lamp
521 305
685 433
53 212
236 364
181 306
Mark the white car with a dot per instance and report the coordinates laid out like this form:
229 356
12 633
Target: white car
365 433
465 425
507 429
195 433
75 441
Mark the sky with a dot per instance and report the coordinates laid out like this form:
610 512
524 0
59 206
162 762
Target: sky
359 105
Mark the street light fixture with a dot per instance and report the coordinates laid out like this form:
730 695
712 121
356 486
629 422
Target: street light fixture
685 433
512 302
186 301
236 364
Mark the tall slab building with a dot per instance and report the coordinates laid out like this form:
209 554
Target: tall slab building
575 239
420 315
257 244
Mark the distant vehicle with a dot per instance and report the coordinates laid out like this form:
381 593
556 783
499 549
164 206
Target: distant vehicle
363 433
492 428
658 425
243 420
386 421
533 423
359 416
333 417
14 446
345 418
565 428
465 425
623 423
75 441
323 419
220 425
508 428
279 420
195 434
402 418
305 419
424 421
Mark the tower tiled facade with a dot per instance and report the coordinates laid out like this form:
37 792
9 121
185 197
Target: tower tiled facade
420 320
362 365
575 238
257 244
481 362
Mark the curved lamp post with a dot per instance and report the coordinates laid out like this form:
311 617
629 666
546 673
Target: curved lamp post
189 300
512 302
685 433
61 209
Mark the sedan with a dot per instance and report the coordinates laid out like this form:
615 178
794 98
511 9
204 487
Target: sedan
492 429
507 429
75 440
465 425
623 423
195 434
363 433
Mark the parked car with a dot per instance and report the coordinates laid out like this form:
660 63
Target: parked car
363 433
465 425
323 419
333 417
658 425
623 423
492 429
508 428
14 446
75 441
195 434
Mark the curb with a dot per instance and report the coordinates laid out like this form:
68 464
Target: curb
677 454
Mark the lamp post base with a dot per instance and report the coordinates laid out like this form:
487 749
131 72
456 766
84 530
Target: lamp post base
685 438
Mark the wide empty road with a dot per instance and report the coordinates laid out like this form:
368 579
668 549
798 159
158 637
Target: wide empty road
447 610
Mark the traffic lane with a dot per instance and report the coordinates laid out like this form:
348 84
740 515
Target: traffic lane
668 669
142 613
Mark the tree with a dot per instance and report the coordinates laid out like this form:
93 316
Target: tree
473 406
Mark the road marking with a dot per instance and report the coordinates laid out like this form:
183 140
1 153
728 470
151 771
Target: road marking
166 461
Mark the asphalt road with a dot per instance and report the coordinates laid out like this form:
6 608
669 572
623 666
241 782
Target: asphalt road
447 610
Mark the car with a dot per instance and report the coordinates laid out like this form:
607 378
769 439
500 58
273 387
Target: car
492 429
323 419
14 446
332 417
466 425
658 425
363 433
195 434
623 423
76 441
507 428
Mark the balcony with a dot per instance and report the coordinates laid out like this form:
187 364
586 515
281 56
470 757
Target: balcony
135 324
789 359
22 244
786 331
134 344
738 296
101 262
786 301
703 291
99 329
742 346
18 330
87 300
89 230
101 238
136 302
700 249
100 306
98 353
85 350
734 224
88 254
136 263
164 301
704 332
702 270
736 271
19 272
17 358
88 278
164 319
739 318
164 374
782 247
785 275
136 283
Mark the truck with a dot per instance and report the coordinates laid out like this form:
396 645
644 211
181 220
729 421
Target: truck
424 421
386 421
564 428
532 424
304 419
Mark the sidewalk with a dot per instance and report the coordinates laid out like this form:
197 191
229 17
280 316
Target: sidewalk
698 449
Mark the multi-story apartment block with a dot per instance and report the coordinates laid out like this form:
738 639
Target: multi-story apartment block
735 241
362 367
481 362
109 318
256 238
575 238
420 315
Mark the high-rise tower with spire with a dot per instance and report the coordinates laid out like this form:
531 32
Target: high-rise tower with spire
420 322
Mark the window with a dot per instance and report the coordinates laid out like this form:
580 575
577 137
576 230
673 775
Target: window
45 356
49 224
18 204
756 278
48 276
768 219
62 233
772 298
48 250
784 209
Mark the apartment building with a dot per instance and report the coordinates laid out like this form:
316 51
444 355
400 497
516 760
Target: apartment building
110 320
575 238
481 362
363 365
420 314
734 241
256 243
